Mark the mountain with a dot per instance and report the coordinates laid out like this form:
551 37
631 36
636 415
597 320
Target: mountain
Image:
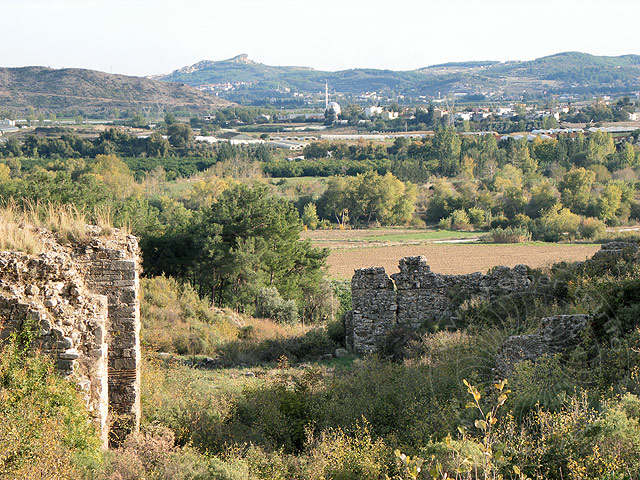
69 90
563 73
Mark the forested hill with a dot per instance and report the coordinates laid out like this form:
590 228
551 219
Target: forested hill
63 91
569 72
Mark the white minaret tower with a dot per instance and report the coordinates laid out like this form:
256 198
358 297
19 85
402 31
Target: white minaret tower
326 95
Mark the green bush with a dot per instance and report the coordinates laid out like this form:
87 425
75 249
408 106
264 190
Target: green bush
508 235
477 216
45 430
336 331
270 304
460 220
153 454
345 455
175 319
592 228
445 223
342 291
500 222
577 441
396 341
555 225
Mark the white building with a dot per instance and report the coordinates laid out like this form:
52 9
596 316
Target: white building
464 116
335 106
389 115
372 111
504 111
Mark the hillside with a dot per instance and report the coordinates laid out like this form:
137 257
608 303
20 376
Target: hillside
64 91
563 73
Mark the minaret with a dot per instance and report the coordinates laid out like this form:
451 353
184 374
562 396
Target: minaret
326 95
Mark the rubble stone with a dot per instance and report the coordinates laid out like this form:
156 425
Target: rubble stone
557 334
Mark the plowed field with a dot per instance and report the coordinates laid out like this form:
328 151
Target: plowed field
456 258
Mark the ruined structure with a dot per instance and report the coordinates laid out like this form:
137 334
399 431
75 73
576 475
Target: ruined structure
84 300
558 334
417 296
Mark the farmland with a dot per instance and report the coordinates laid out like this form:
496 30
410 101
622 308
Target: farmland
352 249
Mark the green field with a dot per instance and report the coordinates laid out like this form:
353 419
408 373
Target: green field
421 236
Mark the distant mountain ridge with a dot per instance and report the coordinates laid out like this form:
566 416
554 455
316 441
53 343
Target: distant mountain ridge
562 73
64 91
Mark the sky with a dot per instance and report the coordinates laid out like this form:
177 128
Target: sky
146 37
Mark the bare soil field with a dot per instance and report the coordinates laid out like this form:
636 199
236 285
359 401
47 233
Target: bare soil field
456 259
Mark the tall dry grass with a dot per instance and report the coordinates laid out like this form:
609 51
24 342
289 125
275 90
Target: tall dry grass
19 225
17 233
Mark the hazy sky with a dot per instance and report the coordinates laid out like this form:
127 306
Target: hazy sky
143 37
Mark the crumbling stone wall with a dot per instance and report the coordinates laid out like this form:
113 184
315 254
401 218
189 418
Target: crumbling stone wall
48 292
424 295
416 296
111 268
85 299
557 334
374 311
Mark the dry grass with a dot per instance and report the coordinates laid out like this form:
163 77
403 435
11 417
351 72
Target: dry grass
456 259
16 236
19 225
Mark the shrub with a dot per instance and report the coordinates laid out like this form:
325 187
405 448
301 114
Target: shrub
460 220
270 304
577 441
554 225
153 454
45 430
592 228
477 216
445 223
508 235
426 394
310 216
336 331
342 291
276 415
520 220
175 319
314 343
347 455
417 222
500 222
180 398
395 342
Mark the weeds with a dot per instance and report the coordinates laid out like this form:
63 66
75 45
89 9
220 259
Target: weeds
19 225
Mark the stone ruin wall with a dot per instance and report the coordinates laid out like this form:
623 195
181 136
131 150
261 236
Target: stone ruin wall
85 300
415 296
112 270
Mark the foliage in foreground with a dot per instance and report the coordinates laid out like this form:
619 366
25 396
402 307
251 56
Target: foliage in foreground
44 427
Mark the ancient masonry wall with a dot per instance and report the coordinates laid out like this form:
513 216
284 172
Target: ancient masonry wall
85 299
416 296
113 270
48 292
